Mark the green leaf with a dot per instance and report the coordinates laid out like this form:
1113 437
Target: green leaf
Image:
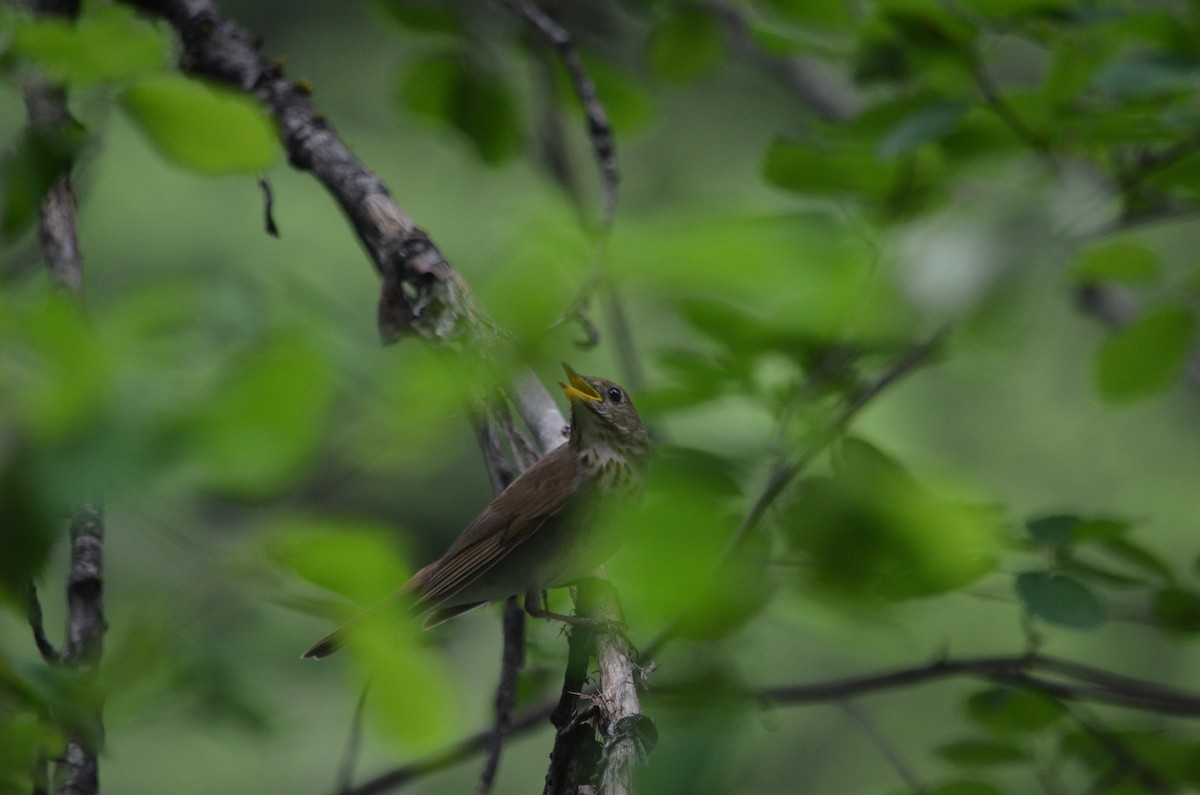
354 558
1012 709
1052 531
1060 599
266 421
1137 555
201 126
483 109
872 531
109 43
427 16
451 88
686 45
1122 262
1147 356
811 169
931 123
1177 609
30 169
1151 74
24 739
412 692
1008 8
1101 530
982 753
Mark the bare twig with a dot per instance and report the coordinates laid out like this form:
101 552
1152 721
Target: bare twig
599 129
575 754
33 611
506 691
886 747
345 777
264 185
1097 685
459 752
1126 762
828 91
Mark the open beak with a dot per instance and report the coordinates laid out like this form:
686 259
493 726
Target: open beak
577 390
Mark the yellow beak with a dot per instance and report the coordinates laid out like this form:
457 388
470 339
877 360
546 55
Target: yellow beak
578 389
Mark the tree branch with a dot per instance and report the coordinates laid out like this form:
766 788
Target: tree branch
1097 684
599 130
828 92
459 752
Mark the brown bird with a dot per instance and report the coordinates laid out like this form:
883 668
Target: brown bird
539 533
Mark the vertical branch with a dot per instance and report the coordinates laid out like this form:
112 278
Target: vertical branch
576 754
599 129
85 635
77 771
506 692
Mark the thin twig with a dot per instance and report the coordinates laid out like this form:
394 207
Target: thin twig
599 129
575 753
1126 761
506 691
996 102
33 611
786 471
828 91
886 747
459 752
345 776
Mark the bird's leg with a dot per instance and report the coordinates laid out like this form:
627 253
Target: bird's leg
535 606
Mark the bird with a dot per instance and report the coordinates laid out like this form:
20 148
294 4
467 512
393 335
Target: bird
542 531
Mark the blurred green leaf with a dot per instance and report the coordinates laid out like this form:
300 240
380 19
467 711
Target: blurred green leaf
1011 709
108 43
265 422
451 87
1147 356
659 579
928 25
983 753
23 740
1147 74
874 531
1137 556
202 126
1006 8
812 168
413 695
1059 599
1175 759
30 169
423 15
963 787
685 45
1177 609
354 558
55 375
822 16
1122 262
929 124
833 289
1054 530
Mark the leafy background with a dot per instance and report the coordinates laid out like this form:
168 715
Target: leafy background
265 462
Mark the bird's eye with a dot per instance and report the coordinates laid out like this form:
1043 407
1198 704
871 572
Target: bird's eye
614 395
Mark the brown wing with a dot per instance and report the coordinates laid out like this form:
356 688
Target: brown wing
508 522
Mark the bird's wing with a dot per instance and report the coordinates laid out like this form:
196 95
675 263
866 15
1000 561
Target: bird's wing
508 522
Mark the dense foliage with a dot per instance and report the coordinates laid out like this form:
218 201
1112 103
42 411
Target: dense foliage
906 291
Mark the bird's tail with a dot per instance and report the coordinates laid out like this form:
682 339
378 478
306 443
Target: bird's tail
337 639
